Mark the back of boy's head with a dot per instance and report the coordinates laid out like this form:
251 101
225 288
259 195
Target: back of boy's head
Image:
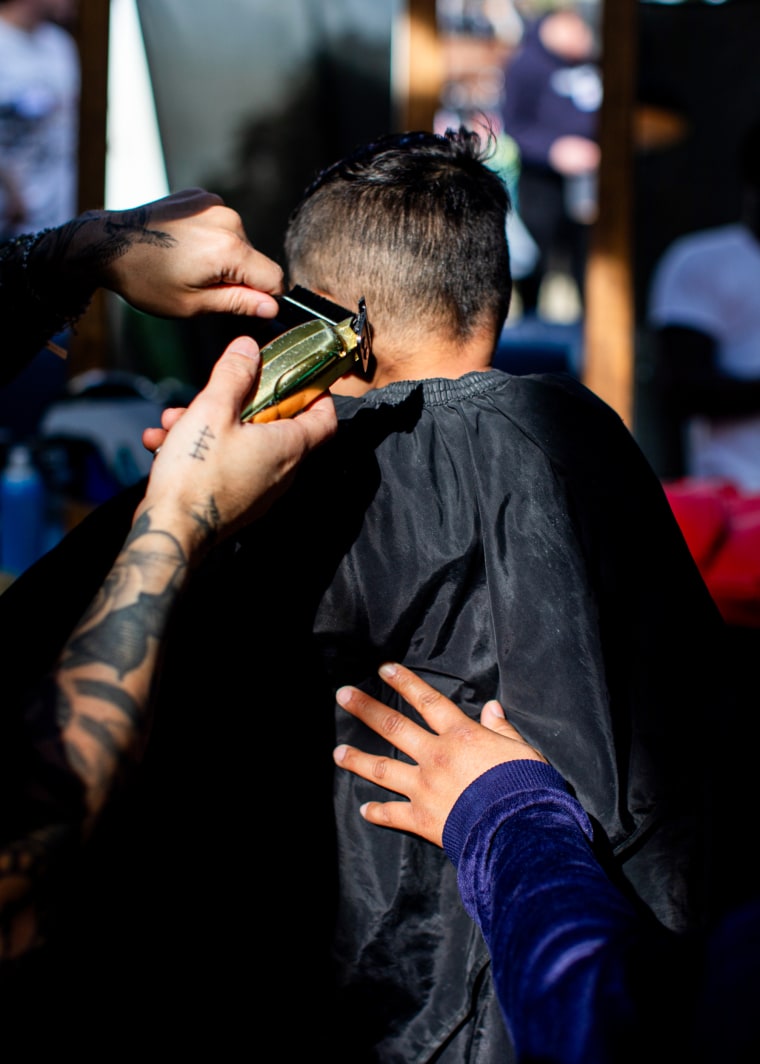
415 223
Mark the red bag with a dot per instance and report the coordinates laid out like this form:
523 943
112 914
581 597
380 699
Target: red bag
721 526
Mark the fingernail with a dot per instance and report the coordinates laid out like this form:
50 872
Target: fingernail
339 753
343 695
266 308
246 345
388 670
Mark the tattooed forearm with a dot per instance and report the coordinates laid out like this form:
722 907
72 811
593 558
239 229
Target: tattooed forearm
107 668
87 723
109 692
99 743
119 637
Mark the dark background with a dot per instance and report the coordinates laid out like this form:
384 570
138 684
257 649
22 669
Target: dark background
252 99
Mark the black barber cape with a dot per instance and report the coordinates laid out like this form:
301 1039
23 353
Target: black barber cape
502 536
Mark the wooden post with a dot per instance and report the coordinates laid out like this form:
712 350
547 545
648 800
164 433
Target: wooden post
418 65
88 347
608 367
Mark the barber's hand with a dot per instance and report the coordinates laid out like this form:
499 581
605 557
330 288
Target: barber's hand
217 473
183 255
448 758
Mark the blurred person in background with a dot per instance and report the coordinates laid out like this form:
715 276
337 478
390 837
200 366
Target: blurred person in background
551 100
39 115
704 314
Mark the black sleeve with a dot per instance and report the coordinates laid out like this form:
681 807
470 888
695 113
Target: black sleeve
39 296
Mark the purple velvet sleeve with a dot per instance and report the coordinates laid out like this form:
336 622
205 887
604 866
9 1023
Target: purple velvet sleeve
562 938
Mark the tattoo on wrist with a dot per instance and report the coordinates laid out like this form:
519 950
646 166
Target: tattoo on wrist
85 258
131 227
205 517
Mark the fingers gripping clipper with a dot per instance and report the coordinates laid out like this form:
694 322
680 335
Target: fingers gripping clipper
327 343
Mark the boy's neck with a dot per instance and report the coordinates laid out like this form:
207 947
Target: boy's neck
439 359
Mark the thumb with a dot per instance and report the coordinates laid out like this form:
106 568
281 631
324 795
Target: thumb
492 717
235 373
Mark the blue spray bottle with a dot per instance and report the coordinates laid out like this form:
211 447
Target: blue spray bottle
22 511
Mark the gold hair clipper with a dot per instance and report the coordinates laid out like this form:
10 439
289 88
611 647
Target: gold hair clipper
303 362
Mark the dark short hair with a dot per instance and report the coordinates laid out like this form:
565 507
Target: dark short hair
414 222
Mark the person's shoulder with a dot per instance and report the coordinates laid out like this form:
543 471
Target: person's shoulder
697 270
691 247
556 390
57 38
565 419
